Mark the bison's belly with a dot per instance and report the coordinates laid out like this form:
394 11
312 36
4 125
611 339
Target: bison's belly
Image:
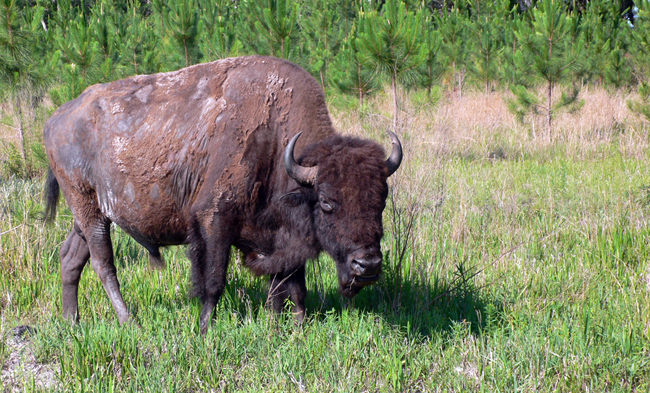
155 230
149 220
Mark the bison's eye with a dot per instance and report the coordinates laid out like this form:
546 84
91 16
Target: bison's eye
325 204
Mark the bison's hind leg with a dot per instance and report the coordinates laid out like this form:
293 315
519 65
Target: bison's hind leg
155 258
98 236
74 256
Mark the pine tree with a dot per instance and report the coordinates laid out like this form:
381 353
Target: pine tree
76 41
486 26
269 26
640 43
391 44
618 72
320 36
218 37
510 71
453 29
432 65
80 53
21 74
159 9
138 44
348 72
606 41
552 42
641 63
182 21
106 21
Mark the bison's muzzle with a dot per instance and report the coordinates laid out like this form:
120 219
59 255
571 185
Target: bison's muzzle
362 268
364 265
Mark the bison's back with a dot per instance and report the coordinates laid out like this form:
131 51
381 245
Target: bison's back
145 147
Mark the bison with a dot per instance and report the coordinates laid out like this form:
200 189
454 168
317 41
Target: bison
204 156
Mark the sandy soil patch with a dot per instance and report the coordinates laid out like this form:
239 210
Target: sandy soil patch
21 372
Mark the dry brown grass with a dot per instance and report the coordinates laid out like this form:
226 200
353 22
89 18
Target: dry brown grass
8 133
480 125
465 178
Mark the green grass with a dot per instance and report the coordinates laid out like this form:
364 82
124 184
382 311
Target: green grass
525 272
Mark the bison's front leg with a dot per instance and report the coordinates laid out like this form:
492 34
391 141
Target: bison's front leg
209 253
215 281
74 256
291 287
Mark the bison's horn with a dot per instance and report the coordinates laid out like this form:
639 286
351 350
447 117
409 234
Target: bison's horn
302 174
395 158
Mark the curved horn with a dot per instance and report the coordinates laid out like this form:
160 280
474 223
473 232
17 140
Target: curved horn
302 174
395 158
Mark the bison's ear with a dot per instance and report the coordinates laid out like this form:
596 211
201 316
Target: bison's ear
293 199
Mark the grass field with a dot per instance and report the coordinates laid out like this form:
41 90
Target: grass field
513 264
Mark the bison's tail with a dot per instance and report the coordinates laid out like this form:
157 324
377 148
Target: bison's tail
51 196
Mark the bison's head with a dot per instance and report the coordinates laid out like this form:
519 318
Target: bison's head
344 179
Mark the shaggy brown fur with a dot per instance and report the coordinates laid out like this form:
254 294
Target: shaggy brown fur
195 156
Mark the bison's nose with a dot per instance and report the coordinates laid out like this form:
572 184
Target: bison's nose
368 266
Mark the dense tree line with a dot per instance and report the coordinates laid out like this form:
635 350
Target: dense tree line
60 47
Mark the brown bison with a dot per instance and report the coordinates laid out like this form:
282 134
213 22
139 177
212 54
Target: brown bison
205 156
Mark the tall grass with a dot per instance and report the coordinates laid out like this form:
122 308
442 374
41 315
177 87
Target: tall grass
511 264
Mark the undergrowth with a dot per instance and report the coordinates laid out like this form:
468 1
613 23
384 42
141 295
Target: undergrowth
510 265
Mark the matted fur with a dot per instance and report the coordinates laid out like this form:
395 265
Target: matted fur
195 156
